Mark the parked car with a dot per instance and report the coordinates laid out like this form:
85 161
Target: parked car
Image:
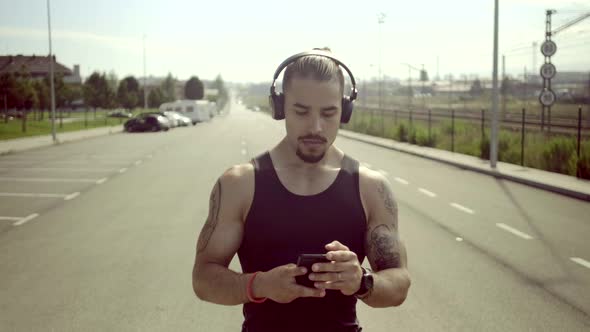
147 122
173 119
196 110
119 114
182 120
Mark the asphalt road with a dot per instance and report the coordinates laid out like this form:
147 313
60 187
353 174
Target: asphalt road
99 235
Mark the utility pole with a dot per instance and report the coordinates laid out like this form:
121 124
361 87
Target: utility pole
494 131
548 71
423 79
535 51
437 68
144 78
51 85
504 86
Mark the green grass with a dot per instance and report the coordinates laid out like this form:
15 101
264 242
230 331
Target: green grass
556 153
13 129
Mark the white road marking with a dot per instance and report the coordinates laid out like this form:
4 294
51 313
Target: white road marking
123 170
514 231
384 173
32 195
459 239
138 162
243 143
244 152
45 180
10 218
71 196
57 169
462 208
367 165
427 192
581 261
101 181
74 162
402 181
25 219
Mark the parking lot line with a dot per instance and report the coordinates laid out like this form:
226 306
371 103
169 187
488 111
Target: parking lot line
581 261
45 180
10 218
71 196
26 219
36 195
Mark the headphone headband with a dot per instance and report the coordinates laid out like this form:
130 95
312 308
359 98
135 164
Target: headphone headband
292 59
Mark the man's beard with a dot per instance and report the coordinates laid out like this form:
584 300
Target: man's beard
308 158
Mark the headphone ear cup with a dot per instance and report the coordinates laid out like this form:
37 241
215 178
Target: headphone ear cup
277 104
347 106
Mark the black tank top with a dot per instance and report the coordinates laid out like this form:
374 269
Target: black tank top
281 225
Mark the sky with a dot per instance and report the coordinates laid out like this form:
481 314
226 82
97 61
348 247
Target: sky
245 41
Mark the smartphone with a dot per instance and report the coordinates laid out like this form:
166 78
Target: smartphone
307 260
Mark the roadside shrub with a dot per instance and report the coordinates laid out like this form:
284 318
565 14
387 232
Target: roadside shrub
557 155
402 132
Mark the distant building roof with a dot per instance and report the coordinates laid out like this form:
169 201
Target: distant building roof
35 65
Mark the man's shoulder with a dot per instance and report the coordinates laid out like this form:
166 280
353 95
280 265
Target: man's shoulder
370 176
238 175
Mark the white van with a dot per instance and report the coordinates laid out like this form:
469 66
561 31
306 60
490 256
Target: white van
196 110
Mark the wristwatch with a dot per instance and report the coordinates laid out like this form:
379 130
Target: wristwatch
366 284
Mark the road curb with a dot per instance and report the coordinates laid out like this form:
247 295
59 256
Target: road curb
46 140
495 173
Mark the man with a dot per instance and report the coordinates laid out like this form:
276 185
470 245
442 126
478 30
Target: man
303 196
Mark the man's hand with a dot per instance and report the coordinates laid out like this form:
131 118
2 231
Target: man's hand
280 286
343 273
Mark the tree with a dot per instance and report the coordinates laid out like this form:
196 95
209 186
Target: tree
194 89
96 91
128 93
155 98
169 88
44 97
222 95
476 89
8 85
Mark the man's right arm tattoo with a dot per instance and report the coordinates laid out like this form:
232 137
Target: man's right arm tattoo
384 247
212 218
383 244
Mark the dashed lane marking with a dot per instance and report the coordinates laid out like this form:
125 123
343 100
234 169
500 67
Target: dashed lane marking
462 208
402 181
427 192
514 231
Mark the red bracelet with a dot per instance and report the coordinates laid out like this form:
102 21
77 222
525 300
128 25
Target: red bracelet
249 290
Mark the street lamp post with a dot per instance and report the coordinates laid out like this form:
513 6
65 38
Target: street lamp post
494 131
144 78
52 88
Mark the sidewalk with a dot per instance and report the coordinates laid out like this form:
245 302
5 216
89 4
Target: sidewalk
27 143
555 182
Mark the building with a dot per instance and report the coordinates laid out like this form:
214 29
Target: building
37 67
